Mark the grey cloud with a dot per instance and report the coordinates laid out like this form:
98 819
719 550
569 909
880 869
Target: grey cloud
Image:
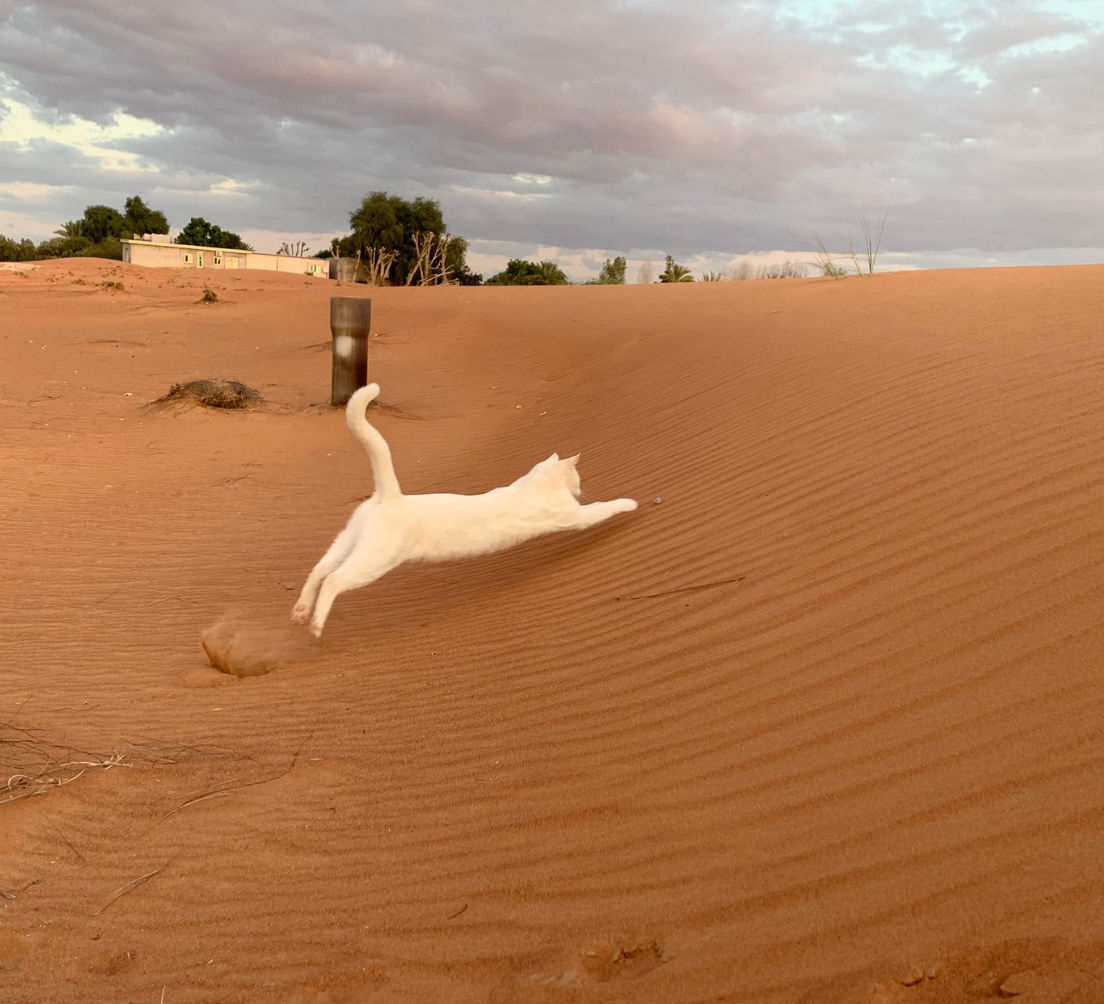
696 127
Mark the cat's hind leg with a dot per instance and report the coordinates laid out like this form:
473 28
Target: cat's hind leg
370 560
327 564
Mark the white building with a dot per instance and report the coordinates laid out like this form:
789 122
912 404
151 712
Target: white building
146 251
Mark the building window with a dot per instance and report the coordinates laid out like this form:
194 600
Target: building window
218 259
187 259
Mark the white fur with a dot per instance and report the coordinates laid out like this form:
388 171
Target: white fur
390 527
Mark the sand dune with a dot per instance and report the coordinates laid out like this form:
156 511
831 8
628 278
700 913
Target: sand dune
820 722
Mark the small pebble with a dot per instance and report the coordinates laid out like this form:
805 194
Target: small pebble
567 977
656 501
912 977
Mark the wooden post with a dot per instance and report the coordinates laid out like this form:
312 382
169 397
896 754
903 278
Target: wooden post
350 320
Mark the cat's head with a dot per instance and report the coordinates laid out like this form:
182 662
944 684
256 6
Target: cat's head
557 472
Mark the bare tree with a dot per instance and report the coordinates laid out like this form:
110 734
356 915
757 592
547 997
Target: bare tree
440 263
419 271
297 250
430 266
379 264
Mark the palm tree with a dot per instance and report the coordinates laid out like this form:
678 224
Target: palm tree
674 272
71 229
551 274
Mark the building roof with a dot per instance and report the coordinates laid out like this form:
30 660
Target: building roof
189 247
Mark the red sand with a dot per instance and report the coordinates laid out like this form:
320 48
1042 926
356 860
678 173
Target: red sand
861 761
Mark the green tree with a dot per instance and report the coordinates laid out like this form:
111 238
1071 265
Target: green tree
23 250
551 275
103 221
613 272
51 247
456 259
200 233
385 222
109 247
141 219
519 272
71 229
63 247
674 272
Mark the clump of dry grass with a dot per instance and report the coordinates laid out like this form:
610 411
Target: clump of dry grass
209 296
228 394
744 271
115 287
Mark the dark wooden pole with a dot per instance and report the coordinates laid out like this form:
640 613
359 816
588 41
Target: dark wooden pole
350 321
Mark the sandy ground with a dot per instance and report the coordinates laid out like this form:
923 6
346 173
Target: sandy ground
820 722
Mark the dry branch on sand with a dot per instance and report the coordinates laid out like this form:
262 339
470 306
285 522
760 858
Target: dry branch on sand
31 764
213 394
37 765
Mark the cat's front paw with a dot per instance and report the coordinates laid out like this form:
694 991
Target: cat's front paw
315 629
627 505
300 613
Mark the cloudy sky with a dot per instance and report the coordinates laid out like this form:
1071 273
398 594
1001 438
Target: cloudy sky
574 130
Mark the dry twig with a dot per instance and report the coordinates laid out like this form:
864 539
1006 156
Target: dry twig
130 887
226 789
681 589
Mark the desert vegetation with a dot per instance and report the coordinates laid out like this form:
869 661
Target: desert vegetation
405 242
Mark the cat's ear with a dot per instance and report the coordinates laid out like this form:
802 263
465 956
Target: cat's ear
552 459
573 461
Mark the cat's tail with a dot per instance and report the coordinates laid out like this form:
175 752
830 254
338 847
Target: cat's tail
379 453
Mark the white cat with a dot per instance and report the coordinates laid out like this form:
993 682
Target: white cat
390 527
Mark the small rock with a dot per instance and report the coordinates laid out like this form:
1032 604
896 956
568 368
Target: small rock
912 977
656 501
567 977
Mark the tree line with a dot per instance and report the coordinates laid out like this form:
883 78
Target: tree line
100 231
392 241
